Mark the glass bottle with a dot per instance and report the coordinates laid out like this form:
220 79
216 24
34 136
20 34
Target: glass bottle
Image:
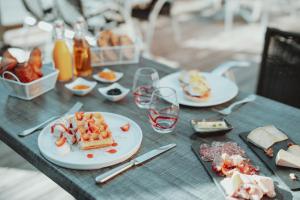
81 51
62 57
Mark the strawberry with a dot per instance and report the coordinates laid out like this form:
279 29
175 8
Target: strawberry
104 134
105 126
90 155
61 141
85 137
79 115
125 127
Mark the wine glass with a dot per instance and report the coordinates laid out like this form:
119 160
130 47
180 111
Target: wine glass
144 83
163 110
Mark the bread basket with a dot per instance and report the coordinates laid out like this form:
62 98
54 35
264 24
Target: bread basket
112 55
28 91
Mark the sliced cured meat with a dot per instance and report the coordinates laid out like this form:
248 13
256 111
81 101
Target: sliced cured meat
209 152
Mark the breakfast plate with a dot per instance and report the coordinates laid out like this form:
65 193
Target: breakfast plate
127 144
222 89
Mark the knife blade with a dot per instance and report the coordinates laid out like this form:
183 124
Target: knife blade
74 109
137 161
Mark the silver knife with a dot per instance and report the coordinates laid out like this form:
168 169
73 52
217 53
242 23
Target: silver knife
74 109
137 161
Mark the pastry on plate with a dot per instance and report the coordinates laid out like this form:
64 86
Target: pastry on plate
194 85
88 130
92 131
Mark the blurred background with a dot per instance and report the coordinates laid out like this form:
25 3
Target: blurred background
184 34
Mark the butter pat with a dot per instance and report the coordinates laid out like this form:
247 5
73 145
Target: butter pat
211 125
287 159
265 137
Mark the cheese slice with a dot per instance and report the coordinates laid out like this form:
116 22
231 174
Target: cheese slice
294 149
243 186
232 184
265 137
287 159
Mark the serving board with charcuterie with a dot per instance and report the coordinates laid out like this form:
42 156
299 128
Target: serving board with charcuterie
278 152
232 171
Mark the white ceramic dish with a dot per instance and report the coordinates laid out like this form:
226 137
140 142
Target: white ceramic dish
81 81
104 90
222 89
128 144
119 75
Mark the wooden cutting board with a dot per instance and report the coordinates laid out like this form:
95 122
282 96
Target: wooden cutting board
281 172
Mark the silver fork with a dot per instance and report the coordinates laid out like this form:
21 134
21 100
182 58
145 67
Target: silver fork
228 110
74 109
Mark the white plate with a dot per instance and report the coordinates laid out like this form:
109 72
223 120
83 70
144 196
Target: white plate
119 75
81 81
222 89
128 144
104 90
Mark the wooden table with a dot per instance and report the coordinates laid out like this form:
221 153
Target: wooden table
176 174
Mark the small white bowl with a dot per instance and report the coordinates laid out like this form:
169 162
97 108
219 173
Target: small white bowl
119 75
81 81
124 92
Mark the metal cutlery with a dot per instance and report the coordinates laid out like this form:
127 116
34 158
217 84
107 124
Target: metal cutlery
137 161
228 110
74 109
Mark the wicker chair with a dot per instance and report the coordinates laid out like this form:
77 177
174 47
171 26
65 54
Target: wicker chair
279 77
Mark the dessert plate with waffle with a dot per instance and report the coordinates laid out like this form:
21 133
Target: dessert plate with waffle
90 140
200 89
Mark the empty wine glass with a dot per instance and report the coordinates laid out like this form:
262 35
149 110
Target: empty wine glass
144 83
163 110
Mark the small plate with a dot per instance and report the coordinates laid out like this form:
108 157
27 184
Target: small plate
211 131
104 90
119 75
81 81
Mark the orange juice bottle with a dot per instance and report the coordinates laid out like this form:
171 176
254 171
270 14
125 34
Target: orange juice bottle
62 57
81 51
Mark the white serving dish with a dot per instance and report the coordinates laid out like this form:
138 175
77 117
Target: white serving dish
124 91
28 91
128 144
119 75
222 89
81 81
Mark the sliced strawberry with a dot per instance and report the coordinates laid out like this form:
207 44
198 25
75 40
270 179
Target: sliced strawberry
104 134
93 128
91 121
61 141
85 137
79 115
125 127
90 155
105 126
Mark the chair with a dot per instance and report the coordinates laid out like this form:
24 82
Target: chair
279 77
